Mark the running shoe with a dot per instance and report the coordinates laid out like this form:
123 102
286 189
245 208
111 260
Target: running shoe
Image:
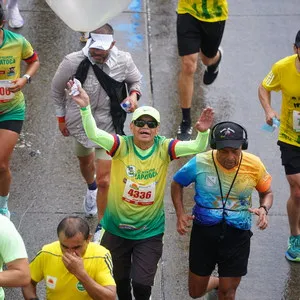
293 251
212 295
15 19
184 132
212 71
89 203
5 212
98 234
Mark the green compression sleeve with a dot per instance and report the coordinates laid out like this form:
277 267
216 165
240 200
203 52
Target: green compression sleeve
98 136
184 148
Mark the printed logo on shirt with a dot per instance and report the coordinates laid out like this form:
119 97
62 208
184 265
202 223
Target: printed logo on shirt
211 180
80 287
7 60
51 282
146 174
130 170
2 72
11 71
296 101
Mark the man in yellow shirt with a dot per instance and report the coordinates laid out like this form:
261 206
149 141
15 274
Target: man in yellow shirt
285 77
73 267
200 27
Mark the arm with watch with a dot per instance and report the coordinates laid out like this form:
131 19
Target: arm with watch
265 203
19 83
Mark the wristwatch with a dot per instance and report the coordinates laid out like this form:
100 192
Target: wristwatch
28 77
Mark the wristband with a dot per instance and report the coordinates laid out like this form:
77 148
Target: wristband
83 108
61 119
265 208
137 94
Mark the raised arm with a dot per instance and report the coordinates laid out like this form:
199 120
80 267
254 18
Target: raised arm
98 136
203 124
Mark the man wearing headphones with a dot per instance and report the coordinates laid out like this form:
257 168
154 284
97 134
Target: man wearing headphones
224 179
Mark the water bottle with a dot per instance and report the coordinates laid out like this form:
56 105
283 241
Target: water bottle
271 128
74 88
126 106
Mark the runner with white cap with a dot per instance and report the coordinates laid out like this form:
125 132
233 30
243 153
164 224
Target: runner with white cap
100 55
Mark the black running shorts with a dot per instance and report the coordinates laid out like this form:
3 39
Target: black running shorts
290 158
207 250
193 35
12 125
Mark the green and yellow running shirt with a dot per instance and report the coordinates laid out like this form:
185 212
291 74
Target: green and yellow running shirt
284 77
205 10
135 208
14 48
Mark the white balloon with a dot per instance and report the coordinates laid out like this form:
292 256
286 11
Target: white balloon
87 15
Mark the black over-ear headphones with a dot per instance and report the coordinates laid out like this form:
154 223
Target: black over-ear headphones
213 137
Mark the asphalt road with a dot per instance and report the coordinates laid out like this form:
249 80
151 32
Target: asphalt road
46 181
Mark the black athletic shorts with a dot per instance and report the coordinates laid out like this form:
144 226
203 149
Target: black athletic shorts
230 253
13 125
193 35
290 158
135 259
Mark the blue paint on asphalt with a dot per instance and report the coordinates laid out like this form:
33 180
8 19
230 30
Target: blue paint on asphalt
133 28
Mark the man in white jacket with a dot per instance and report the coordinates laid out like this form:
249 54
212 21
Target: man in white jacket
101 53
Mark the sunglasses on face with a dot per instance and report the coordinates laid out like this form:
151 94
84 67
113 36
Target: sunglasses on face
142 123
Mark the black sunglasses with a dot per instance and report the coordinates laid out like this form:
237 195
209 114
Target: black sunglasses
142 123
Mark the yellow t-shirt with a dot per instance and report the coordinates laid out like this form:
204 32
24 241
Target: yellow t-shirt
63 285
204 10
284 77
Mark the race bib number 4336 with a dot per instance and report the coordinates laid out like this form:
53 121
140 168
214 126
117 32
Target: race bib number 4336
139 194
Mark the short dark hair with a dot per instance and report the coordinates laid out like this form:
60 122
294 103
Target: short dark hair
2 15
105 29
72 225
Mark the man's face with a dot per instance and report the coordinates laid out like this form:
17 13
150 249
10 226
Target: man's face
99 56
76 244
142 132
229 157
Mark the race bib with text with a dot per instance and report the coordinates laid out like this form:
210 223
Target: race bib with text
5 94
139 194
